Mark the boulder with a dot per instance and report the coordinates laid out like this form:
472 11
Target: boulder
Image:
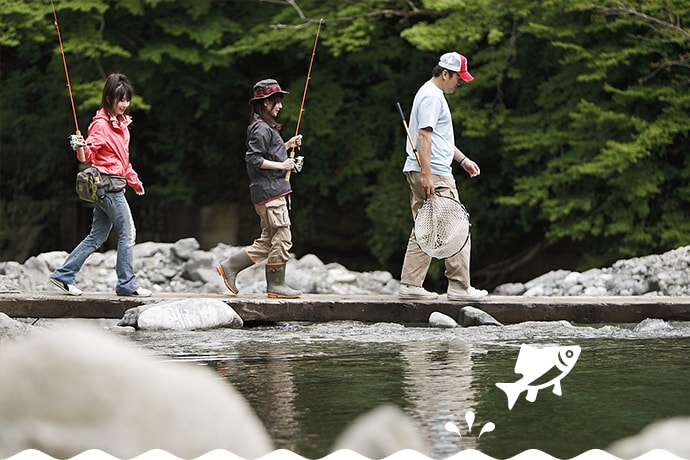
471 316
11 329
437 319
71 389
380 433
670 435
185 247
182 315
652 325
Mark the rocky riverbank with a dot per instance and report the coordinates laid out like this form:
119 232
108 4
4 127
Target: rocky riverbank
664 274
183 267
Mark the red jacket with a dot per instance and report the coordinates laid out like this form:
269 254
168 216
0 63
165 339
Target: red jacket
108 148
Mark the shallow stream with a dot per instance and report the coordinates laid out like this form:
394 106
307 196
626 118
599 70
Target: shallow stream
308 381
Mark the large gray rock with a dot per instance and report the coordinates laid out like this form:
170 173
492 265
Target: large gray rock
182 315
380 433
11 329
471 316
672 435
652 325
438 319
71 389
185 247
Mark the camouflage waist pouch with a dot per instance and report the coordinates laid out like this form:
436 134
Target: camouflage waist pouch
91 185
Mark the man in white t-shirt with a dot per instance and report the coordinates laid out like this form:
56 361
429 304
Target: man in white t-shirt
431 129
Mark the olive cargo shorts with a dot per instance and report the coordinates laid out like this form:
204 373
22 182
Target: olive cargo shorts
276 239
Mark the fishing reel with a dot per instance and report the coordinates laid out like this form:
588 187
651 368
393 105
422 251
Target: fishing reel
74 142
299 163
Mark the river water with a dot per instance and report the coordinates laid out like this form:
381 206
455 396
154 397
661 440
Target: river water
308 381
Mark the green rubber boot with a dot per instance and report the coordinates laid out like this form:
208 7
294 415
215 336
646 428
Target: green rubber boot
229 269
275 283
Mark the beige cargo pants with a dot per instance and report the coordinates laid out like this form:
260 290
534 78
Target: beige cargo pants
416 263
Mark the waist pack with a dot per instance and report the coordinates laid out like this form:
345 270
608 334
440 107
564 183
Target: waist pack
91 185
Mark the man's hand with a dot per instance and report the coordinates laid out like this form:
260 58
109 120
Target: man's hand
428 184
470 167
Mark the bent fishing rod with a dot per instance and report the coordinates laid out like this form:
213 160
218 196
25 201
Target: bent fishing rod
304 95
80 149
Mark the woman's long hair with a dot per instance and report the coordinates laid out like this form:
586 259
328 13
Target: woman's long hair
260 108
116 88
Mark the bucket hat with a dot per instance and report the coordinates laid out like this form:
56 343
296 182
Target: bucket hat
456 62
266 88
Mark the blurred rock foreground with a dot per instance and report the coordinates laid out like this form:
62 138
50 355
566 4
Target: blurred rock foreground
183 267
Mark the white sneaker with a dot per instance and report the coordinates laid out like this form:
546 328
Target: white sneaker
415 293
141 292
70 289
455 292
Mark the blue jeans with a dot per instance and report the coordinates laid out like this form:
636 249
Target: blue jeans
111 211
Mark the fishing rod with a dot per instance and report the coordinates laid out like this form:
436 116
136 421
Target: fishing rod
407 130
80 149
304 95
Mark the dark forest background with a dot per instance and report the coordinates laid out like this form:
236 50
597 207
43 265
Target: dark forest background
578 116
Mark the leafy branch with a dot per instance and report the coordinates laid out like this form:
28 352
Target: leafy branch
404 15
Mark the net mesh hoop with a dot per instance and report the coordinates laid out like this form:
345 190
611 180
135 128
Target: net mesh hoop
442 226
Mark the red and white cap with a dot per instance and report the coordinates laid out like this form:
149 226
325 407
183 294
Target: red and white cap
456 62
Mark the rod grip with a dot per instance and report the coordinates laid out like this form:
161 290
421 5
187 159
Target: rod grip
289 172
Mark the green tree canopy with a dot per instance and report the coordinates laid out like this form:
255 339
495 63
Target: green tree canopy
578 116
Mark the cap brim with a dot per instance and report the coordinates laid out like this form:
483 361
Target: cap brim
267 96
466 76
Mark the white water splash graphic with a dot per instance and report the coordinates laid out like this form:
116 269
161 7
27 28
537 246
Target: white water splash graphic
469 418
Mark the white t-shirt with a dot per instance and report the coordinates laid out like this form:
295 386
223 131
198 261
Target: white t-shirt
430 110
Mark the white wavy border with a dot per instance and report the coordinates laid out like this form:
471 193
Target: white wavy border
344 454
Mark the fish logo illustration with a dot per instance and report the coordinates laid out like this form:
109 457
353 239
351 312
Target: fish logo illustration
534 363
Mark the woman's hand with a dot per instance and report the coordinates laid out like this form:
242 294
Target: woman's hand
289 164
76 141
294 142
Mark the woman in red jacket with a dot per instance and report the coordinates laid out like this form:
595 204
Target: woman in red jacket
107 150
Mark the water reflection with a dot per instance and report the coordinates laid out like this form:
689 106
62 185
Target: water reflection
267 382
308 381
438 389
